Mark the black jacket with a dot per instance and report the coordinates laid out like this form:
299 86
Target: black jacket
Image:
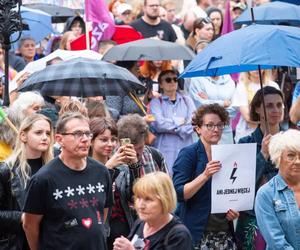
12 196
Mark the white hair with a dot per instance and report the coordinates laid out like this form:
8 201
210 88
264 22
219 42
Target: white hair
25 100
288 140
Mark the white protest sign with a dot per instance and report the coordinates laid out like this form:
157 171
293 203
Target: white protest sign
234 185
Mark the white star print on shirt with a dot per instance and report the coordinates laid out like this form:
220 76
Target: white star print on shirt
80 190
69 191
91 188
57 194
100 187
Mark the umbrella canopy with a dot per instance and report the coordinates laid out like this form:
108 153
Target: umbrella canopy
82 77
246 49
63 55
149 49
58 14
272 13
39 24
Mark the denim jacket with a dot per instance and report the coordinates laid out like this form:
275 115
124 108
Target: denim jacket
278 215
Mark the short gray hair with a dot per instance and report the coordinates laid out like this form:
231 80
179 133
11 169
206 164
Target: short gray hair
288 140
132 126
25 38
65 118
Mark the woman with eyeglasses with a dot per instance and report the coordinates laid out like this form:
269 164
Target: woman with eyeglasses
278 201
173 113
192 172
33 149
203 29
103 145
247 235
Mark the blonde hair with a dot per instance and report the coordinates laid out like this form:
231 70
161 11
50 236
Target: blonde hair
19 154
64 40
266 76
288 140
245 79
159 185
73 106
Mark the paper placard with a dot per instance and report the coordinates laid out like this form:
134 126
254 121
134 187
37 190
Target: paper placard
234 185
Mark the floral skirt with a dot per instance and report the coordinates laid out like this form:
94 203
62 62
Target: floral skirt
217 241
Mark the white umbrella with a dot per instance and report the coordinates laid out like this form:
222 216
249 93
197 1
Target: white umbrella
64 55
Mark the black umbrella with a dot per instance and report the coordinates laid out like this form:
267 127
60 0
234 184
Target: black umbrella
82 77
59 14
149 49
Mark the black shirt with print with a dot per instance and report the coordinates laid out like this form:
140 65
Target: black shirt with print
72 204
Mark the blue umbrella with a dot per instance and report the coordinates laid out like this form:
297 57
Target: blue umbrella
247 49
255 47
39 24
272 13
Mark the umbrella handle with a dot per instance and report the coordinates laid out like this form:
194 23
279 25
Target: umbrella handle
138 102
263 100
212 59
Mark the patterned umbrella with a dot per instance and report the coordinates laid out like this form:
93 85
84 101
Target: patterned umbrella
82 77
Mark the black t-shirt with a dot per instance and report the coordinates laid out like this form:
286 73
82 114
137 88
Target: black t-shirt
170 237
72 204
163 30
35 164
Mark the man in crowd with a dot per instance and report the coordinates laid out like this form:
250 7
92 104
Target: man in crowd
67 200
199 9
124 12
170 7
27 49
134 127
151 25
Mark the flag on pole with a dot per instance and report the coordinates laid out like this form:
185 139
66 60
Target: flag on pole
103 26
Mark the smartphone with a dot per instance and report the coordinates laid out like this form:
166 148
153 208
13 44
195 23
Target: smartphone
125 141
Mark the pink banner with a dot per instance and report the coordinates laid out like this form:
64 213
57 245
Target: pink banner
103 26
227 21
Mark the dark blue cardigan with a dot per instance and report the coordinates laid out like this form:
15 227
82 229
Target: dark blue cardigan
194 212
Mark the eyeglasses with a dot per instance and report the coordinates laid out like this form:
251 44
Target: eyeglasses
170 79
211 126
292 157
79 134
171 10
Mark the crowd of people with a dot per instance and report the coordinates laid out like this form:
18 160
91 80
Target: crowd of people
135 172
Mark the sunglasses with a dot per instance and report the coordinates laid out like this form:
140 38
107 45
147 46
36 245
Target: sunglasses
170 79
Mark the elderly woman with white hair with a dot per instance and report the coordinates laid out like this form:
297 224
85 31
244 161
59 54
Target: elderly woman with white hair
278 201
26 104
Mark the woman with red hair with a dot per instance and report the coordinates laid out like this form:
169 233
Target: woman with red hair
151 70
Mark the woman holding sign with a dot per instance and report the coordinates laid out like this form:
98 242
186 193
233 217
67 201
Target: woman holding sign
192 172
278 201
